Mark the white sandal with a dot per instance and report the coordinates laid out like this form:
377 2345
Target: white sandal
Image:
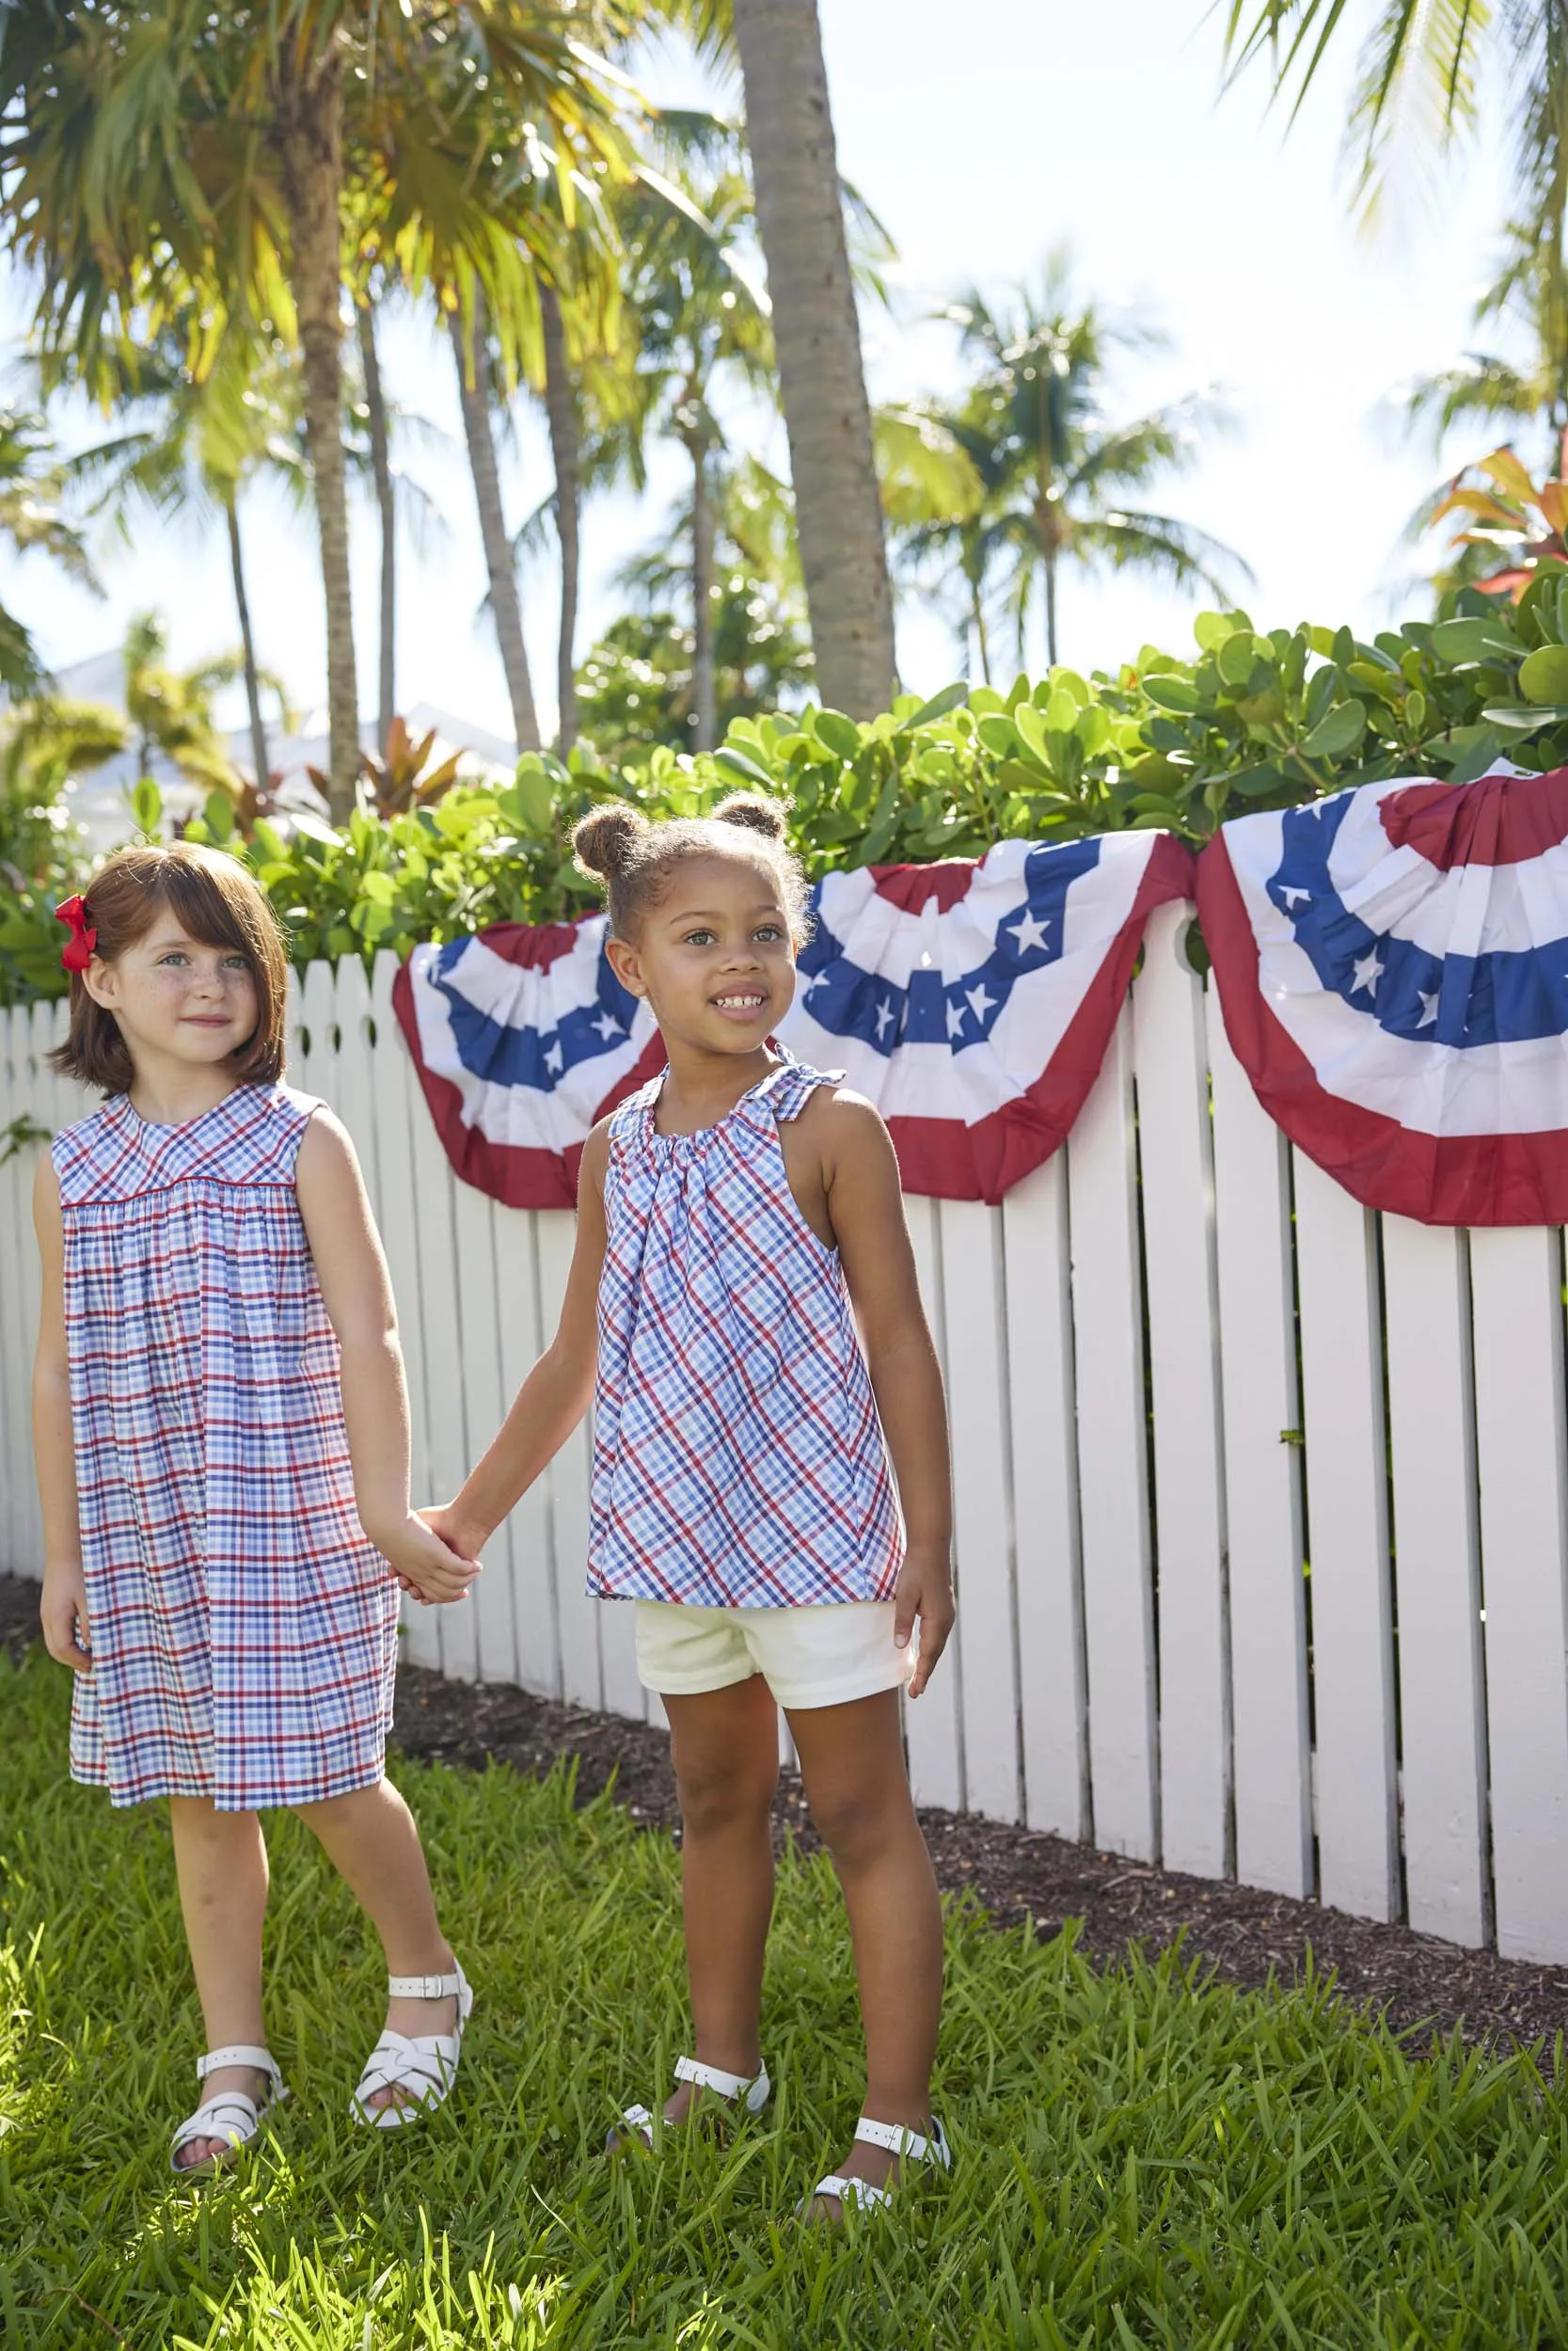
423 2064
753 2095
908 2146
227 2115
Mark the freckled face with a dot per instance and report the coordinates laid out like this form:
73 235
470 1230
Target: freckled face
715 956
176 996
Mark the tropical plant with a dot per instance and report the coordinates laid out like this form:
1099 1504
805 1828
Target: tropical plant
1530 298
821 382
1426 67
215 148
1253 720
399 779
32 484
637 686
1509 526
1058 478
170 710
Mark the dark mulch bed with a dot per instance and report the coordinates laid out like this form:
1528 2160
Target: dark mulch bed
1421 1984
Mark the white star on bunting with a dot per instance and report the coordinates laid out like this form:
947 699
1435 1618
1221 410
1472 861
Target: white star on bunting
1368 971
1029 932
555 1058
979 1003
955 1020
1429 1008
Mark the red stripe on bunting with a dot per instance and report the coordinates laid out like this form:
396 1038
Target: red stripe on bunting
1488 823
516 1176
943 1159
1438 1180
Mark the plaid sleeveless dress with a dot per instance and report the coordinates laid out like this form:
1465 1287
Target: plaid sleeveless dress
739 1461
243 1629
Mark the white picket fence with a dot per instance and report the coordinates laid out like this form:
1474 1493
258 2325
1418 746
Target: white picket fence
1143 1658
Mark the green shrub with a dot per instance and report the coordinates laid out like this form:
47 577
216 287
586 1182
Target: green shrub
1255 720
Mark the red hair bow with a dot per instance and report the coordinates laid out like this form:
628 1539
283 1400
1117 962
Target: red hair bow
77 952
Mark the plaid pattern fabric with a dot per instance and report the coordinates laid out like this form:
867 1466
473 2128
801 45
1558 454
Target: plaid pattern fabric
738 1460
243 1631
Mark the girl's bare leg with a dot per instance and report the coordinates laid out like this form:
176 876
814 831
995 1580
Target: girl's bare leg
726 1748
852 1763
370 1839
221 1862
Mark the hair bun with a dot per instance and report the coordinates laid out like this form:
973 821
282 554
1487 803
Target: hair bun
606 839
767 817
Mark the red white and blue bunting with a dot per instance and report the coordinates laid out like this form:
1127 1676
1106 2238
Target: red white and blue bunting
972 1002
1392 965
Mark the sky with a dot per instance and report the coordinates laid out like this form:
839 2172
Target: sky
984 139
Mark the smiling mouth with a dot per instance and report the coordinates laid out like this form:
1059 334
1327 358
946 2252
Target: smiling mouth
207 1020
740 1000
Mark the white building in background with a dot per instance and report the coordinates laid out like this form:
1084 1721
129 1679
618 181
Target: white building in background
97 799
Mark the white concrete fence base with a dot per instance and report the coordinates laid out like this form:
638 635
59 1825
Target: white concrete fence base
1181 1364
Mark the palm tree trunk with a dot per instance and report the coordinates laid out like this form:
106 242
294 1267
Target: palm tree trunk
1050 608
381 466
816 333
311 126
561 408
982 640
248 649
473 383
704 700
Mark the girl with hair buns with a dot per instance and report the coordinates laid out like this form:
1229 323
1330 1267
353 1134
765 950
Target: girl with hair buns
222 1436
736 1220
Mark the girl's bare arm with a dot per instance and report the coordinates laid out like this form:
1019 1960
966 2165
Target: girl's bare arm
63 1610
359 1295
865 1204
556 1393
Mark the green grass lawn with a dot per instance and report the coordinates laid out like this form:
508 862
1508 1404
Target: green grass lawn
1142 2157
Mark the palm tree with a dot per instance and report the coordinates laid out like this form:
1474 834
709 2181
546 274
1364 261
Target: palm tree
1427 66
32 481
192 446
1530 295
217 145
821 380
170 710
1058 477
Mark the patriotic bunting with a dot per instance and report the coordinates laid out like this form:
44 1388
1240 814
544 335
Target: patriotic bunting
972 1002
1392 966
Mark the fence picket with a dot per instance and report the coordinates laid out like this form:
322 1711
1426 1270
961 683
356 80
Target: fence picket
398 1116
1516 1295
931 1724
1437 1578
524 1553
1348 1521
578 1616
1052 1715
1270 1717
986 1671
1177 1164
1113 1470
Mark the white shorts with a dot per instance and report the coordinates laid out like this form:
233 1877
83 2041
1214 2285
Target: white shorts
808 1657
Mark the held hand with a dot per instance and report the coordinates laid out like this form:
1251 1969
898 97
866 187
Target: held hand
432 1570
63 1614
459 1534
925 1590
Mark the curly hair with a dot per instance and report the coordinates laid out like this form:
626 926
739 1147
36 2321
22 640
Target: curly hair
633 859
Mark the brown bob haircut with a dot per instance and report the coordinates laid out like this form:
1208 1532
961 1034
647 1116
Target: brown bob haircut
216 901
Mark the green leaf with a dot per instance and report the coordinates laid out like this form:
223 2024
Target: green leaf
841 734
735 763
1233 660
1031 724
1336 733
1461 641
937 708
316 828
1000 736
1517 718
1544 677
147 805
1061 711
1176 693
217 811
529 800
1210 629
